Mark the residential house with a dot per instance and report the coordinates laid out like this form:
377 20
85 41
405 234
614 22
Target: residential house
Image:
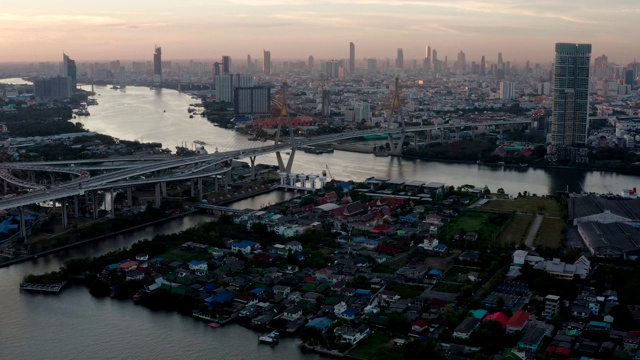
388 296
245 246
533 336
419 326
518 321
293 313
200 267
350 335
466 327
281 290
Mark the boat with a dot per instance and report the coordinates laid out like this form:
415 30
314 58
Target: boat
271 338
191 116
214 325
381 154
199 142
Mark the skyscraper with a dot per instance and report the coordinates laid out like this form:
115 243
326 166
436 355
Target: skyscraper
69 70
266 62
226 65
400 59
372 65
352 58
461 64
483 66
500 62
436 66
249 63
157 66
427 59
311 62
570 94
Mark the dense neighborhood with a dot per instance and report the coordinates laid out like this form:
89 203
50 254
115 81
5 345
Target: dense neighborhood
424 271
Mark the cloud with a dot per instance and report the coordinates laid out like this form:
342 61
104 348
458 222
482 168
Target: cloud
61 19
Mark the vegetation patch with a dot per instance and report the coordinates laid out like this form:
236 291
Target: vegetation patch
527 204
377 346
516 230
551 233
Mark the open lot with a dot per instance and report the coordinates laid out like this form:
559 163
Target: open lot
529 205
377 346
516 231
551 233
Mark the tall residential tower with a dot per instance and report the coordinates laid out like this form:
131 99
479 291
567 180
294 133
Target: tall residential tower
570 94
266 62
157 66
352 58
69 70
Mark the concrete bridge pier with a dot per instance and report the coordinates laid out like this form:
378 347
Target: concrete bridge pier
6 187
215 183
112 203
129 197
157 202
193 188
163 188
23 227
200 191
281 167
75 206
95 204
228 184
292 179
65 215
252 159
312 181
283 178
323 180
396 149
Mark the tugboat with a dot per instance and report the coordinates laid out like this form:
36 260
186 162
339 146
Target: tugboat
271 338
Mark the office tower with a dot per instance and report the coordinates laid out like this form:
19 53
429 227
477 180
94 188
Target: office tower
629 79
122 76
436 66
242 80
352 58
249 63
362 112
251 100
69 70
266 62
400 59
461 64
570 94
500 63
226 65
507 90
372 65
157 66
427 59
217 71
326 103
57 87
332 69
483 66
311 62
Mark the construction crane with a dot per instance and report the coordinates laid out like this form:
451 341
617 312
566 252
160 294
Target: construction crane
325 172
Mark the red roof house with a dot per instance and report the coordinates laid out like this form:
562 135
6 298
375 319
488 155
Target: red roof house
499 317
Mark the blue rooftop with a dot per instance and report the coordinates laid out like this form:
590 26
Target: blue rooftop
257 291
245 243
220 298
197 262
435 272
320 323
349 312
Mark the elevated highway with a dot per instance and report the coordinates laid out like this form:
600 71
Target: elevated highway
155 170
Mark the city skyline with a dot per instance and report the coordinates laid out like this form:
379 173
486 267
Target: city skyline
520 30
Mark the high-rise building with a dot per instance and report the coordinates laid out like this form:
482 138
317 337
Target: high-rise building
372 65
266 62
461 64
249 63
569 124
500 63
352 58
483 66
56 87
157 66
436 66
224 88
251 100
427 59
332 68
507 90
400 59
69 70
311 62
226 65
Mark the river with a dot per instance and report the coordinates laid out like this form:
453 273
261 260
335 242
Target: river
74 325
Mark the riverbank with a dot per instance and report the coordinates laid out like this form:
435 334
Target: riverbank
94 239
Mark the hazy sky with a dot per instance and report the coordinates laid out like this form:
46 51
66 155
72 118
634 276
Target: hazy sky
39 30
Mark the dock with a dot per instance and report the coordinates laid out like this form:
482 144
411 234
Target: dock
50 288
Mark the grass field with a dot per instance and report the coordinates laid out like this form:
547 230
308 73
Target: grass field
530 205
471 221
516 231
377 347
550 233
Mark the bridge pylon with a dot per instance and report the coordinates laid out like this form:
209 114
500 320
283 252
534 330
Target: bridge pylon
284 115
396 108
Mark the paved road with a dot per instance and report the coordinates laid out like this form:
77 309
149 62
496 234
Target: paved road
533 231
